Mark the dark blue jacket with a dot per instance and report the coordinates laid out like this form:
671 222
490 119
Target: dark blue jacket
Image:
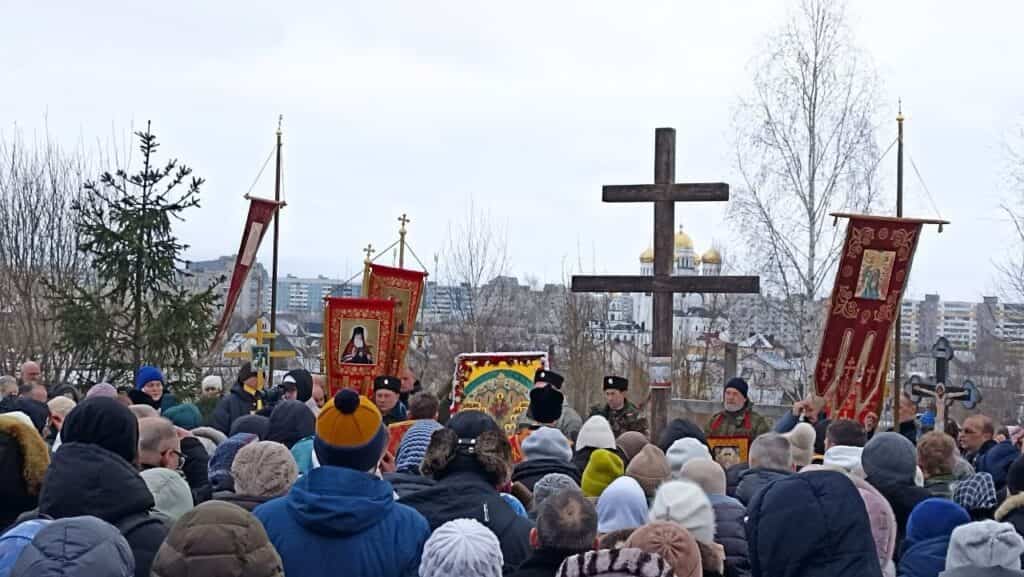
340 521
928 531
996 462
730 534
811 525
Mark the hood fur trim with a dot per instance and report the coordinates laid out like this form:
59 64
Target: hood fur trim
35 453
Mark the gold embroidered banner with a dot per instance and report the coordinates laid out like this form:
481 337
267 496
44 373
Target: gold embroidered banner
357 341
405 287
872 272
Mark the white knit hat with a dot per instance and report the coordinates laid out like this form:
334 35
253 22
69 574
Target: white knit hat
683 451
596 433
211 382
685 503
462 547
801 444
171 493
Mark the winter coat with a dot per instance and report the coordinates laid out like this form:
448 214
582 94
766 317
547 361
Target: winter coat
752 481
214 540
196 469
166 401
76 547
336 519
941 486
529 472
86 479
927 541
743 423
235 404
811 525
206 406
406 484
628 418
469 496
397 414
996 462
1012 512
902 498
290 422
302 452
23 462
732 478
542 563
731 535
247 502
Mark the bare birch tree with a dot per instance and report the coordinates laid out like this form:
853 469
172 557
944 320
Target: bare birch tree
38 250
1011 269
805 146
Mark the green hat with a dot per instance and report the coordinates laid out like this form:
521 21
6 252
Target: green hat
603 468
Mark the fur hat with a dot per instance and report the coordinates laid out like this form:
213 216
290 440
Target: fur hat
616 383
685 503
24 459
546 404
709 475
801 444
623 505
147 374
596 433
462 547
630 443
547 443
603 468
683 451
171 492
387 383
551 484
673 544
629 561
650 468
264 469
472 442
350 432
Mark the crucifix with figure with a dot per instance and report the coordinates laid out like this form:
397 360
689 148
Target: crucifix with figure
664 193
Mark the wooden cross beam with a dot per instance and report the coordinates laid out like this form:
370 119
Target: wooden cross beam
260 352
664 193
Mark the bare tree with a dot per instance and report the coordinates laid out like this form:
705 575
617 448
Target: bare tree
805 147
585 354
475 254
38 250
1011 269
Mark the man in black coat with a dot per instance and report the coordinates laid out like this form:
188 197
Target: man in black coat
890 463
239 402
770 460
93 474
566 525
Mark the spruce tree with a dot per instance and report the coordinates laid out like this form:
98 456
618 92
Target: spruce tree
135 307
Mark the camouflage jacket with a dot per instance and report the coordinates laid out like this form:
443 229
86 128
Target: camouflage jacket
628 418
744 423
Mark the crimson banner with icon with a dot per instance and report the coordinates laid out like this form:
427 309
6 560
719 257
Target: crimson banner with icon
357 342
872 272
405 287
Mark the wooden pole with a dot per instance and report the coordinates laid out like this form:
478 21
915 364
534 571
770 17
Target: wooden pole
277 232
664 253
898 329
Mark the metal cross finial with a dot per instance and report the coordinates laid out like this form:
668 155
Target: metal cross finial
369 252
280 119
404 220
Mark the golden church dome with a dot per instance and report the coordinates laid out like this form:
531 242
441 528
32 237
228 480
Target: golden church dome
647 256
712 256
683 240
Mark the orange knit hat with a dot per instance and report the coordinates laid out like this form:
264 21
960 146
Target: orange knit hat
350 432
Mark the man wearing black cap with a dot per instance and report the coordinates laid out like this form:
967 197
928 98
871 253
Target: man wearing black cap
241 401
738 419
386 391
622 415
568 420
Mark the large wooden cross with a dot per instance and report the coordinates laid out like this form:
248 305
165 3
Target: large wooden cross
260 353
664 193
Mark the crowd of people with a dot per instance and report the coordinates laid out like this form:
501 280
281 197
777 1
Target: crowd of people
293 481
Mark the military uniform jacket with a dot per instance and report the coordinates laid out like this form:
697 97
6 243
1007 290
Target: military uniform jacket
628 418
743 423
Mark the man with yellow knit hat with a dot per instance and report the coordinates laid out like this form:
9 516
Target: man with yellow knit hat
341 514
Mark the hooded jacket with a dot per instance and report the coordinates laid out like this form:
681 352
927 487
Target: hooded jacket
529 472
467 495
927 541
335 519
237 403
290 422
996 462
731 535
752 481
811 525
86 479
984 549
217 539
76 547
23 462
406 484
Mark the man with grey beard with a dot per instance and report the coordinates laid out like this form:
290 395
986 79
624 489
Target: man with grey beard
738 419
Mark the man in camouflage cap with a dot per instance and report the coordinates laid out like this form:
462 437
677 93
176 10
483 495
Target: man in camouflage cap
622 415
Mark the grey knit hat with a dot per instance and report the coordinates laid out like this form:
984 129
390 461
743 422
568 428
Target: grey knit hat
551 484
547 443
889 458
264 469
985 544
462 547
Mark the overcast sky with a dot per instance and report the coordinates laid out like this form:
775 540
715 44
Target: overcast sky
526 108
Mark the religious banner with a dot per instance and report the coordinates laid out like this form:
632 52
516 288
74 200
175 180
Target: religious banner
872 272
358 335
261 212
496 383
405 287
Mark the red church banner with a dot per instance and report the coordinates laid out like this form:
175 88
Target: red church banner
870 277
405 287
358 336
261 212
